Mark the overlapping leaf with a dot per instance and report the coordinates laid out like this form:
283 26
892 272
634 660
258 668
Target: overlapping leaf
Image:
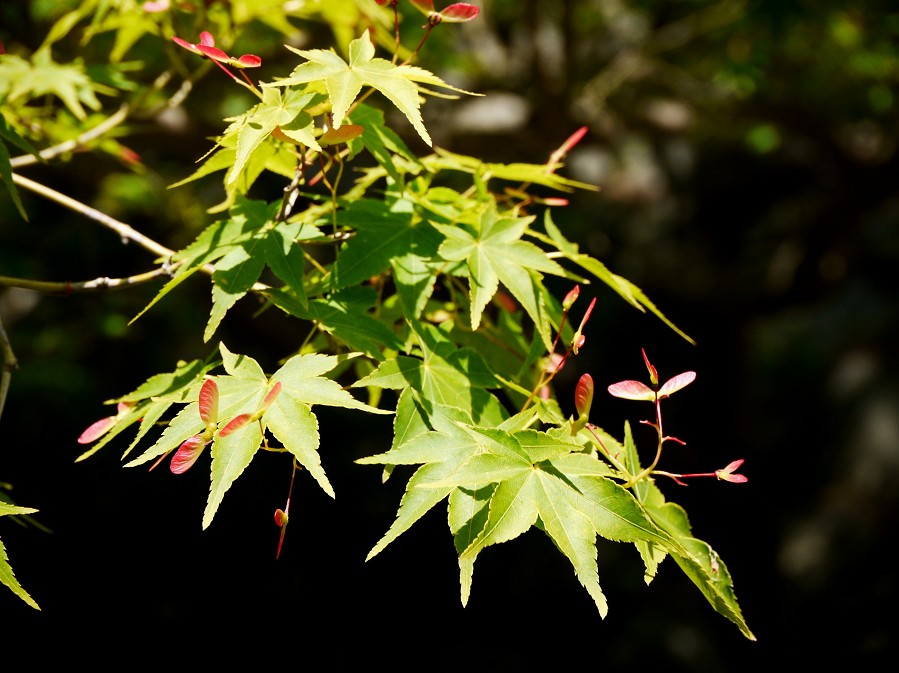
285 111
441 452
495 254
444 376
500 484
345 317
381 142
281 405
240 247
389 236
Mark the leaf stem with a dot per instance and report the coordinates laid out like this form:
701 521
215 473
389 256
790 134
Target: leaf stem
546 377
421 43
608 456
661 441
396 32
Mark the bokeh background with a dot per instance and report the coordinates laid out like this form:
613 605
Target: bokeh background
747 157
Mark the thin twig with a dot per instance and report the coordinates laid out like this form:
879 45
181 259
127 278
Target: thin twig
127 232
122 229
70 145
95 285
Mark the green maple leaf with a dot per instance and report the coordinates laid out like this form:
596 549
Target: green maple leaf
240 247
215 242
516 172
7 577
444 376
445 385
501 481
285 258
533 475
258 242
266 156
235 273
241 261
696 558
380 141
246 148
626 289
389 236
285 111
700 562
495 253
345 79
149 402
280 404
442 452
343 315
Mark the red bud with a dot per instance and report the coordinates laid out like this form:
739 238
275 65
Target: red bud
653 374
571 297
272 394
280 517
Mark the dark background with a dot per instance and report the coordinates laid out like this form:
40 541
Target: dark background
747 157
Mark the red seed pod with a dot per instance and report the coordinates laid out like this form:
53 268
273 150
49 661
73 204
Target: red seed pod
583 395
459 12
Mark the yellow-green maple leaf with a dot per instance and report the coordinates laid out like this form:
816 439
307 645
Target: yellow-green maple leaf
344 80
6 574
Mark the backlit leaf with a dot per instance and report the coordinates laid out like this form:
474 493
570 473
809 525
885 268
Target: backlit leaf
296 427
277 109
345 79
231 455
7 577
496 253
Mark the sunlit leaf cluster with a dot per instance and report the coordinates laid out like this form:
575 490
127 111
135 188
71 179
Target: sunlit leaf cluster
418 288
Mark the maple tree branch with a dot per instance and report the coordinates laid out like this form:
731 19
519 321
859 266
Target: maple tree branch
122 229
127 232
95 285
70 145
